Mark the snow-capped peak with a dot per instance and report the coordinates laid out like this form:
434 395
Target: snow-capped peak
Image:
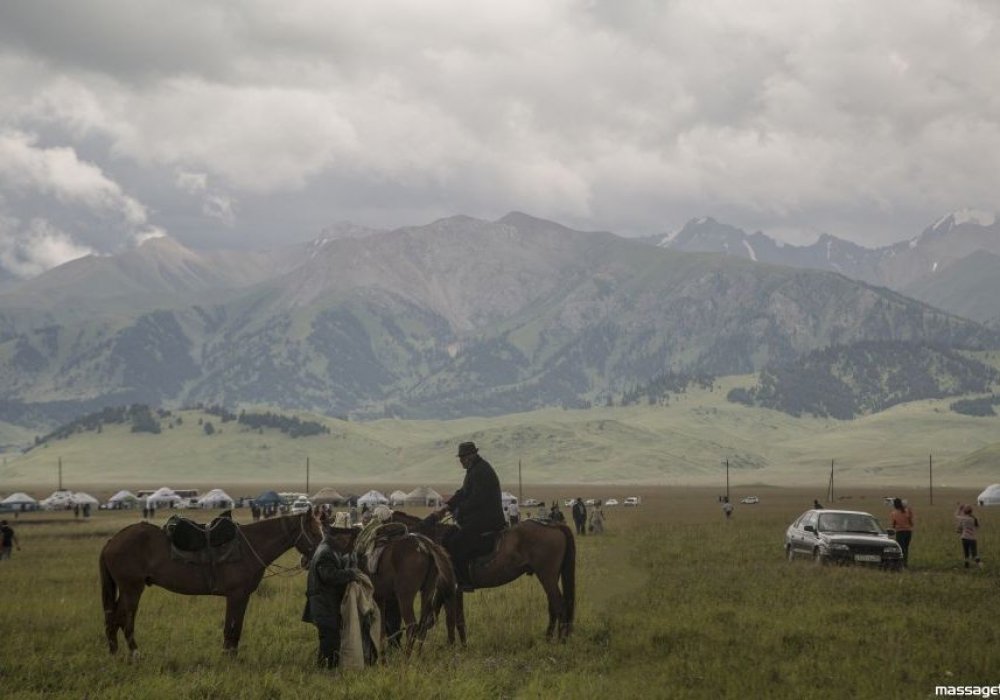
965 216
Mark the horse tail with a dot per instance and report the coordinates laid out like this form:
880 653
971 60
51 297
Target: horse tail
109 589
568 571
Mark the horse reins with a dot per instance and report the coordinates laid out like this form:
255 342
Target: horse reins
273 569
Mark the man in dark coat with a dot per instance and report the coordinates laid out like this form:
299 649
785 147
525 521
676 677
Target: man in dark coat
580 516
478 510
329 574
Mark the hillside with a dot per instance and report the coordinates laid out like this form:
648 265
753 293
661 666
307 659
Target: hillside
685 442
849 380
459 317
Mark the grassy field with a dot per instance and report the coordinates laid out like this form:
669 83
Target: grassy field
672 602
685 442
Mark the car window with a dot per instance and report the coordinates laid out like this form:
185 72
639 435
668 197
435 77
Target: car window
808 518
848 522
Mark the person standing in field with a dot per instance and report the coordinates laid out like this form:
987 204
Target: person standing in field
727 507
967 526
555 515
513 513
901 520
8 540
580 516
597 519
329 575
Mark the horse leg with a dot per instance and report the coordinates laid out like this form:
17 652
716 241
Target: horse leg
460 616
236 608
409 617
551 586
128 606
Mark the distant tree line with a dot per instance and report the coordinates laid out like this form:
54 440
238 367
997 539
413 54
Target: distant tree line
982 406
844 381
658 390
141 417
290 425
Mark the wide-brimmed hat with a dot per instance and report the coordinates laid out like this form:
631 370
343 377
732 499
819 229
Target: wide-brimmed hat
467 448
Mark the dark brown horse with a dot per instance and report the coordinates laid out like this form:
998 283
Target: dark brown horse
409 565
140 555
547 550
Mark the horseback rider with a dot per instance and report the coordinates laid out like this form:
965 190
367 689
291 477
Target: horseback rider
478 510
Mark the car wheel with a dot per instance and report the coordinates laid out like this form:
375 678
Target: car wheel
818 558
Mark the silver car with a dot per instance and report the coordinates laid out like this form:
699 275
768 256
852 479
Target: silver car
842 537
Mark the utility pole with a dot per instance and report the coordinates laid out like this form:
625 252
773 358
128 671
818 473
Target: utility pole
60 474
307 476
829 490
727 479
520 486
930 475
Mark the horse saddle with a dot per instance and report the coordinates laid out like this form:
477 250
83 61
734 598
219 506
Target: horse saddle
371 551
189 536
487 550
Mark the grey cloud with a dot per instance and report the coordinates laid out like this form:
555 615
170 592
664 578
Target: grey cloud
860 119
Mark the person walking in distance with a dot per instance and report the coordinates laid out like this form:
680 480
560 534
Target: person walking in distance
967 526
901 520
727 507
8 540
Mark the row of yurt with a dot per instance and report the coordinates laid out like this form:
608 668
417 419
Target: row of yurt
64 500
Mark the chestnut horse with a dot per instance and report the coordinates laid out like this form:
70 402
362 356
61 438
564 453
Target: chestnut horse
140 555
409 564
547 550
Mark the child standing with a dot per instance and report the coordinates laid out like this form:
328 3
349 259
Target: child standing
967 526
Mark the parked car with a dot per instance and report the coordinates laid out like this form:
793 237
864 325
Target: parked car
532 503
300 505
590 502
631 501
611 502
842 537
750 500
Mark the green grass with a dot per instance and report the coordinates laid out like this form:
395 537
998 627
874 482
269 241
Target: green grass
672 602
685 442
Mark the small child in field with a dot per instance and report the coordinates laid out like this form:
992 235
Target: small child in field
967 527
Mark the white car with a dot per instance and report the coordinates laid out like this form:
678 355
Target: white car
750 500
632 501
590 502
532 503
611 502
301 505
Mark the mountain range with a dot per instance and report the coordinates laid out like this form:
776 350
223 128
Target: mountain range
951 264
458 317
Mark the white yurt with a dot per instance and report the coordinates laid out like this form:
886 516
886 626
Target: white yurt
19 501
397 498
59 500
163 497
123 499
85 499
372 498
424 496
990 496
216 498
327 496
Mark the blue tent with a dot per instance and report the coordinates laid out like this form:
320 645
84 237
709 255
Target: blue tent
268 498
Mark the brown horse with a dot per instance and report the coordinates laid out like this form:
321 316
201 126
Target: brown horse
547 550
140 555
409 564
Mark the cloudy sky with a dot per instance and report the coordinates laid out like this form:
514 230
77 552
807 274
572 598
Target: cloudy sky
255 123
